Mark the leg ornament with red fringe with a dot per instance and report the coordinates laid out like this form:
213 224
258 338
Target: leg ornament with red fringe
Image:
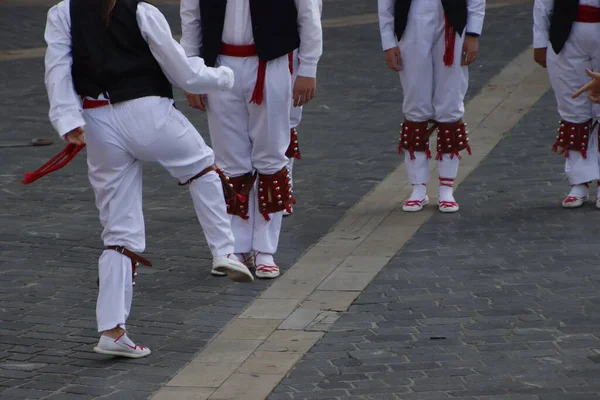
574 137
414 137
452 139
241 186
293 150
275 193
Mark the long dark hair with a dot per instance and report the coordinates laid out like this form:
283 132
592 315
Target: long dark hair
107 8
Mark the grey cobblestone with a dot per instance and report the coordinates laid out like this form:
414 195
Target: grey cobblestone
518 306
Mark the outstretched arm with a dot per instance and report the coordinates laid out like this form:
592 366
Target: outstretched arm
190 74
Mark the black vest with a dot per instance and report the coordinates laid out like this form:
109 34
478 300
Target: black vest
114 59
456 11
564 13
274 27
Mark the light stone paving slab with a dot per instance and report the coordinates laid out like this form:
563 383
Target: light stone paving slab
346 280
269 362
246 387
291 341
269 309
244 328
375 219
183 393
300 319
227 351
330 300
204 374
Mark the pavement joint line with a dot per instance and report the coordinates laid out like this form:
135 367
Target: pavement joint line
283 319
340 22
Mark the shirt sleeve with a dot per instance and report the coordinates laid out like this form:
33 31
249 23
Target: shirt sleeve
541 23
190 74
311 36
475 16
191 28
65 112
385 11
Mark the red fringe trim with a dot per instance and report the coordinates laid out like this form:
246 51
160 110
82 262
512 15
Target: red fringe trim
450 39
57 162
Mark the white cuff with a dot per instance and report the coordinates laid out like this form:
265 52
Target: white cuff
307 70
388 41
475 25
67 124
540 40
227 78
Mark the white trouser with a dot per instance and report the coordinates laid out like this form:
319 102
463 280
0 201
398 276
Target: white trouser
431 89
248 137
295 115
119 138
567 74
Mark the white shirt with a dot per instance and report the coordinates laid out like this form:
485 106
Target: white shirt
190 74
475 16
542 11
237 30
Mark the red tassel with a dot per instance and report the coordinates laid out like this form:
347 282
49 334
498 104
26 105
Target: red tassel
291 62
450 38
259 88
57 162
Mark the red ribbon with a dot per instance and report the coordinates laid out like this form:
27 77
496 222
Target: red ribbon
57 162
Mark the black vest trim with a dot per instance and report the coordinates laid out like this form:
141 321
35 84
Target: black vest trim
274 27
456 11
114 60
564 14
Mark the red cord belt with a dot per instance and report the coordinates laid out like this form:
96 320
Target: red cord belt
249 50
588 14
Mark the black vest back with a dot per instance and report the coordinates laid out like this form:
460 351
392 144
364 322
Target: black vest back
274 27
564 13
114 59
456 11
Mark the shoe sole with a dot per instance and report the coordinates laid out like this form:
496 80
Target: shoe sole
425 202
217 273
235 274
120 354
267 276
448 210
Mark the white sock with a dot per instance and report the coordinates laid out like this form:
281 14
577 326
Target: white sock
446 189
579 191
264 259
419 192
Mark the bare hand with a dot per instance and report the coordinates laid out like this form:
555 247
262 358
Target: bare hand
393 59
197 101
539 56
470 50
304 90
592 87
75 136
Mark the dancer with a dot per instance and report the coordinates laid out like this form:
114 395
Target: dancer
250 126
566 36
110 65
430 43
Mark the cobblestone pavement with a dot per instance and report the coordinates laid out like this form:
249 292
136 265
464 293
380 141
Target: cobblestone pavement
497 302
49 232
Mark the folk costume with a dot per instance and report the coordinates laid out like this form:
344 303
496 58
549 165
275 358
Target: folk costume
250 125
430 36
114 77
570 30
